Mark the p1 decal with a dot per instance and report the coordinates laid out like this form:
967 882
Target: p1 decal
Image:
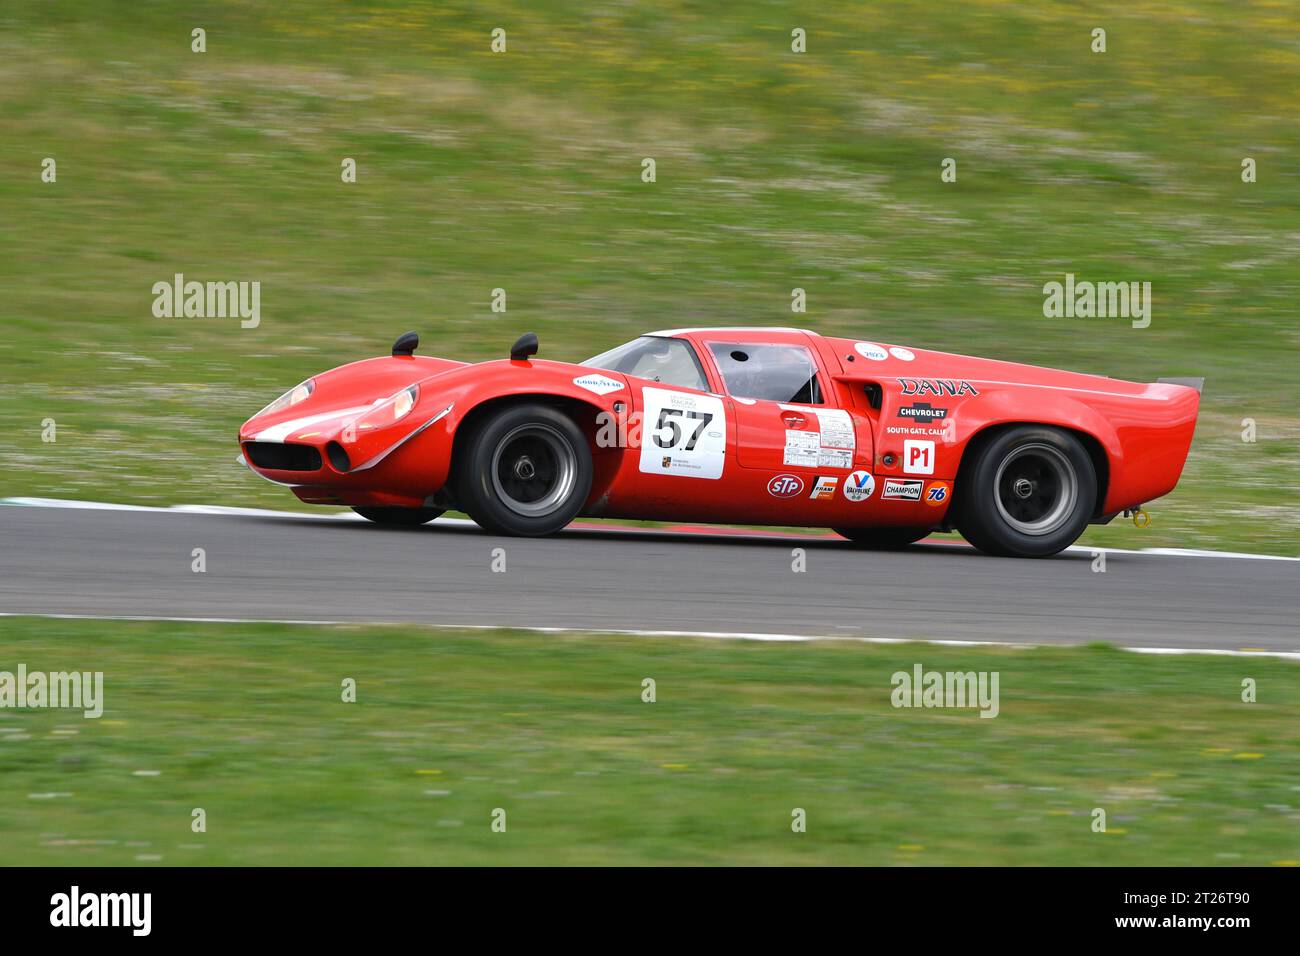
939 387
824 488
785 486
918 457
859 485
906 489
937 493
683 435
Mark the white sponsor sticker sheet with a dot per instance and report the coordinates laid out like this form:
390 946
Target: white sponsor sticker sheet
801 448
835 458
683 434
831 446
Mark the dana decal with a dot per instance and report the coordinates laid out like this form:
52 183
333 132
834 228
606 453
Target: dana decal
902 489
785 486
938 387
936 494
859 485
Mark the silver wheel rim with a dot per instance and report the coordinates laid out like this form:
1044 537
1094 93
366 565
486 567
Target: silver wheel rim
533 469
1036 489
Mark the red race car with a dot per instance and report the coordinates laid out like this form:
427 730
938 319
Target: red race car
759 426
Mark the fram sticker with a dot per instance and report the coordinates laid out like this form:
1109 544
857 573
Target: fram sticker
859 485
918 457
824 488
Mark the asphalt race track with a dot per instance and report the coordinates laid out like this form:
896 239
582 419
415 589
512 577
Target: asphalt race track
286 567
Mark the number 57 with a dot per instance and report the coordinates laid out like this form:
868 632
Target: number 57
667 421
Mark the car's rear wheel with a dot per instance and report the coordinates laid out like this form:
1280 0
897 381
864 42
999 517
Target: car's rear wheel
1028 493
526 470
883 539
399 517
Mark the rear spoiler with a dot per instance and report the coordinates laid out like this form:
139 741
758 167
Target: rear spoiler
1196 383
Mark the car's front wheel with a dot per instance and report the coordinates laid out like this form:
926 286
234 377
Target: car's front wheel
1029 493
399 517
526 470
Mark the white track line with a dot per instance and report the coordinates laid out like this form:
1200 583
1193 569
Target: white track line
636 632
349 516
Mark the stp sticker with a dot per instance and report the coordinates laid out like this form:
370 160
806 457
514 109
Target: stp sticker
872 351
859 485
936 493
684 434
785 486
918 457
600 384
824 488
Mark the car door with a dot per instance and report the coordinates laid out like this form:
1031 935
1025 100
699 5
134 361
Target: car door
791 435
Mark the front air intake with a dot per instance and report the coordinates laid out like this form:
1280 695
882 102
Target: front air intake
338 457
283 457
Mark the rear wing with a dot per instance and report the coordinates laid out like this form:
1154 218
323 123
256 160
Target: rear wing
1196 383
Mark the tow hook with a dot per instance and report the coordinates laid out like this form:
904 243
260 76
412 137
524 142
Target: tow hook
1140 517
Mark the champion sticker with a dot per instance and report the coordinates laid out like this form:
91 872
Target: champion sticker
904 489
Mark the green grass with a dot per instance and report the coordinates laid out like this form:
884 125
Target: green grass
521 171
246 722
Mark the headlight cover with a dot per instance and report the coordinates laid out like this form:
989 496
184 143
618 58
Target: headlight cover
392 409
292 397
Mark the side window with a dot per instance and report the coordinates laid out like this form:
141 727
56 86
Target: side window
669 361
775 373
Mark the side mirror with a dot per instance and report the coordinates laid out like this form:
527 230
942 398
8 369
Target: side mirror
524 346
406 344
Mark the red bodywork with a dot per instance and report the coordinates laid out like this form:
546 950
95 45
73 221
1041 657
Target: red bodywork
763 471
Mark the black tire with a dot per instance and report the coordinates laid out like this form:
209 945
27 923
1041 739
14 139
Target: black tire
399 517
883 539
526 470
1028 493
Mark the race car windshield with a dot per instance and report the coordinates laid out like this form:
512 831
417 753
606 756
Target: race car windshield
670 361
775 373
